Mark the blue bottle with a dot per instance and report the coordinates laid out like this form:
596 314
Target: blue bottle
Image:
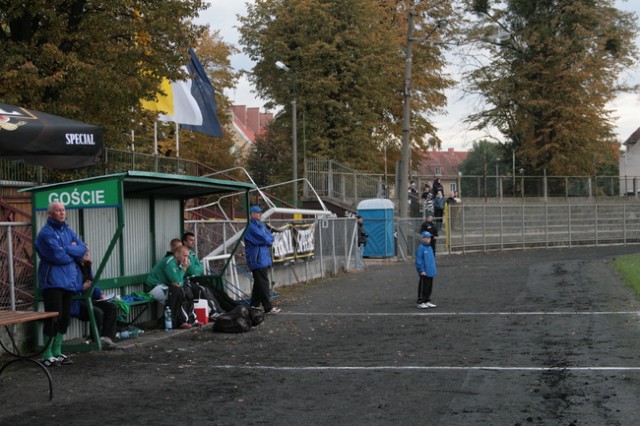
168 322
123 334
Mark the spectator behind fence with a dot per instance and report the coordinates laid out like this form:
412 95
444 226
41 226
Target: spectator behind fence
427 200
414 201
437 186
431 228
362 242
59 248
105 312
438 209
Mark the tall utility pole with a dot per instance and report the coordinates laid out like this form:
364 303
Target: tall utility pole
403 190
294 132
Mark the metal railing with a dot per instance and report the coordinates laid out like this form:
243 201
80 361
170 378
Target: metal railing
114 161
335 181
348 186
483 227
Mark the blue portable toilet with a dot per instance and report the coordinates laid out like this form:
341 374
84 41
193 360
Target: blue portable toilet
377 219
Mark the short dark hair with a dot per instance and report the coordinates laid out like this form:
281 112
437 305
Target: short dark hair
358 217
187 234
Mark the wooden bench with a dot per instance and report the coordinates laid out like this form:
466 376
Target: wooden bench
10 318
121 286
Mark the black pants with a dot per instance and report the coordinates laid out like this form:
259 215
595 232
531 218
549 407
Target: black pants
438 213
106 314
226 303
57 300
181 303
425 286
261 295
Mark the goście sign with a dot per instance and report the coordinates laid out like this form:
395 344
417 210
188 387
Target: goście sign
95 194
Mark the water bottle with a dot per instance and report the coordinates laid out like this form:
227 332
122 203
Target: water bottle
123 334
168 322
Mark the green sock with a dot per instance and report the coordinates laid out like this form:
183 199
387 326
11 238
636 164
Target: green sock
46 354
56 346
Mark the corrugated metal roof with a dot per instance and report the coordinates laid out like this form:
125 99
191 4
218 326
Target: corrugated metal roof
137 183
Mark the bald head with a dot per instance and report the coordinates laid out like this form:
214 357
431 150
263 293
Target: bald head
57 211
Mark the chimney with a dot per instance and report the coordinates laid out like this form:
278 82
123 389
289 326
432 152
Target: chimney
253 119
241 113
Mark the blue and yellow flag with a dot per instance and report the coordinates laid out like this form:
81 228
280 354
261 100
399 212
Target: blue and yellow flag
190 103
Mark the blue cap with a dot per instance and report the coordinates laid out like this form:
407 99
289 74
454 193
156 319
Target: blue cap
255 209
426 234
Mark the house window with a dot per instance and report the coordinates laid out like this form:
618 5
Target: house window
453 187
438 170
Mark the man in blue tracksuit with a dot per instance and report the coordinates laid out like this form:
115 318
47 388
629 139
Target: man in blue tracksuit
59 248
257 244
426 267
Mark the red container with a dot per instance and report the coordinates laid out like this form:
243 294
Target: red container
201 315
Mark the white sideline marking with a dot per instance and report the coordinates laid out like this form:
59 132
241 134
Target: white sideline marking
419 368
432 313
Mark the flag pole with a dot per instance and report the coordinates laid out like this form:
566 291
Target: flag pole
155 138
177 139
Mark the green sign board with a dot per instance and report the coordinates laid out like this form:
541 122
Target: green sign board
89 195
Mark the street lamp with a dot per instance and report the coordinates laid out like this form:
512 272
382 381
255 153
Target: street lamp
294 134
497 174
403 190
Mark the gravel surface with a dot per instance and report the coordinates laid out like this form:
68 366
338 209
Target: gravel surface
541 337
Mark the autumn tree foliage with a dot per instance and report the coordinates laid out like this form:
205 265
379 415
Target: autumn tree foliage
549 70
93 61
346 61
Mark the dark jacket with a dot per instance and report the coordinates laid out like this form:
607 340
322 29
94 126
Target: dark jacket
437 186
362 235
429 227
58 256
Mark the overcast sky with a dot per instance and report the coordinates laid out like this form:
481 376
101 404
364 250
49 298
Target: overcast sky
222 15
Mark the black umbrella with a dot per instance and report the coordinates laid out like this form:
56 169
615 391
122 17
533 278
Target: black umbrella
48 140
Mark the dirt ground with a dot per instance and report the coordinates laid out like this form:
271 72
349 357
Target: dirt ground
544 337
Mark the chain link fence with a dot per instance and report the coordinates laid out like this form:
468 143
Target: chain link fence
334 241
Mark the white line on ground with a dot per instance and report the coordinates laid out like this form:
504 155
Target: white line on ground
418 368
431 313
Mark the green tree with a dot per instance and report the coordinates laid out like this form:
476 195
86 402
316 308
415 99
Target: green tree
478 169
346 61
93 61
552 69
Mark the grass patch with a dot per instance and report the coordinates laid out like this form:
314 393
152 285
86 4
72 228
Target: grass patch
629 267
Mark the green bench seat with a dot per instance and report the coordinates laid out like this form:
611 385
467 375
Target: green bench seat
121 286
